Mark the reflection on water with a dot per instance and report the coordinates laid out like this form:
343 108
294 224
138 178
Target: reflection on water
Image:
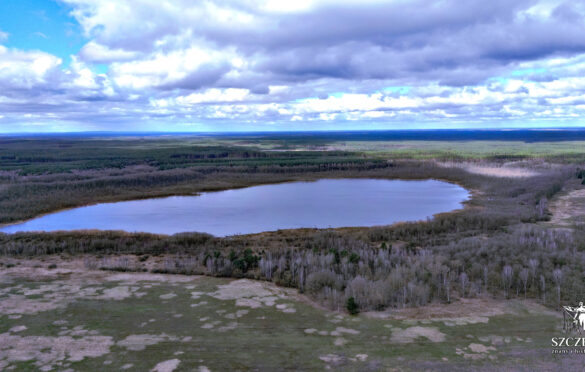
322 204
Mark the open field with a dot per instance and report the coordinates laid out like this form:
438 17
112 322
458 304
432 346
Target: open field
481 285
73 318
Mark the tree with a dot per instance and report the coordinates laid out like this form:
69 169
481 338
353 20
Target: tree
524 277
533 263
507 274
558 278
541 208
543 288
352 306
464 280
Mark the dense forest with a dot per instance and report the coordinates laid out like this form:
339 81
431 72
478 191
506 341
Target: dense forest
497 246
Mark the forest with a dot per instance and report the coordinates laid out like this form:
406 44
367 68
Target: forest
500 245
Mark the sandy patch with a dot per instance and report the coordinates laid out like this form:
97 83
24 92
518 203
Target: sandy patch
479 348
140 342
228 327
167 296
196 295
117 293
361 357
254 294
464 320
566 207
286 308
210 325
495 340
16 304
332 358
410 334
166 366
16 329
464 311
237 314
47 351
133 278
507 170
476 351
347 330
199 304
59 295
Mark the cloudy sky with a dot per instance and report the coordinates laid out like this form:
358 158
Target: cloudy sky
211 65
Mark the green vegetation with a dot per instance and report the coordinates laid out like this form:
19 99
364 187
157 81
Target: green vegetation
499 245
126 322
352 306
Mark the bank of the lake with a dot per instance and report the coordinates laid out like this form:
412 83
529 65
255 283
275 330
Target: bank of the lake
325 203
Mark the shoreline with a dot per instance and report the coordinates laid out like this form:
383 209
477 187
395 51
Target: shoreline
465 204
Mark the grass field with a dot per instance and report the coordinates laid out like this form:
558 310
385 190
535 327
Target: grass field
89 320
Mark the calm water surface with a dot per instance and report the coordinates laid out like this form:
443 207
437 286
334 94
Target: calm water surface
321 204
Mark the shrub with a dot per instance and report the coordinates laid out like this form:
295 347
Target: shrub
352 306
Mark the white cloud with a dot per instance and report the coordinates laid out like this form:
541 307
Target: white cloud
168 68
208 96
311 60
94 52
25 69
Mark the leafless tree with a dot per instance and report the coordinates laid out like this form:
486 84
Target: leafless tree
464 280
524 275
507 274
558 279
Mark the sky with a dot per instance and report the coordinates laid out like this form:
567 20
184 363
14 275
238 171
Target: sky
244 65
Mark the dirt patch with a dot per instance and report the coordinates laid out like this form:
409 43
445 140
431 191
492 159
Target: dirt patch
566 208
408 335
140 342
166 366
464 311
59 295
340 330
51 352
507 170
254 294
332 358
133 278
16 329
476 351
167 296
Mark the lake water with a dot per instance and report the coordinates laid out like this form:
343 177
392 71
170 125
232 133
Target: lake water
321 204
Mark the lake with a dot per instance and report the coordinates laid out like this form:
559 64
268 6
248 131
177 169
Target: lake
321 204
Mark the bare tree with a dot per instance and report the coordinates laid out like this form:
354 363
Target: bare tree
464 280
533 264
541 208
543 288
524 275
558 278
507 274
